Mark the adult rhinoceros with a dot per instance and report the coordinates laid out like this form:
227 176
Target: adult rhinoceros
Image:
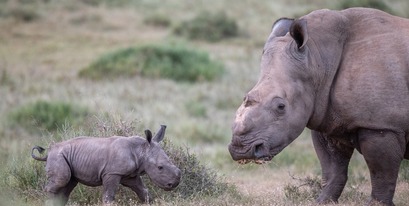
344 75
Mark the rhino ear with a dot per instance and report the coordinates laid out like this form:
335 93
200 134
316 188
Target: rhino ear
161 134
299 32
281 27
148 134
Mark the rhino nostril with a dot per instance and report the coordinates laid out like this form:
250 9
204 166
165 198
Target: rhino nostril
258 150
170 185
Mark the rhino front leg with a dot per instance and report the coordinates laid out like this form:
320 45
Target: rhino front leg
334 159
383 152
110 183
138 187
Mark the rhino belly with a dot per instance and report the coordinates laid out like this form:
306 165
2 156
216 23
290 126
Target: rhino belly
88 176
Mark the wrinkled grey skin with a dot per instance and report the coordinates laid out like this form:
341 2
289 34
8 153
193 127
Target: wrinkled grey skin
108 162
344 75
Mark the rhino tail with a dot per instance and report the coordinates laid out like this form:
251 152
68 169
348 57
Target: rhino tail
40 150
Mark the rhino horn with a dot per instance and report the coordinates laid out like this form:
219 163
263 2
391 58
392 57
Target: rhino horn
148 134
161 134
282 26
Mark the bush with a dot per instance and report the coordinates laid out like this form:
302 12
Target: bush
197 179
210 27
26 177
376 4
48 115
23 13
158 20
167 61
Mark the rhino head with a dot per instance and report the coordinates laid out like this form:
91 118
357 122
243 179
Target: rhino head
284 100
157 165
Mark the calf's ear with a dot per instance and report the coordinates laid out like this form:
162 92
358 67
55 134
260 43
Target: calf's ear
161 134
148 134
299 32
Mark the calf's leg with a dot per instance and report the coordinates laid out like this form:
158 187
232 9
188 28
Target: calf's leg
110 183
58 178
138 187
66 191
334 159
383 152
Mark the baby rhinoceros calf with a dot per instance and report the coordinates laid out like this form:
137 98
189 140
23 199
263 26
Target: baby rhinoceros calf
108 162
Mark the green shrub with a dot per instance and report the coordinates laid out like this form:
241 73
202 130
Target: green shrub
210 27
158 20
48 115
26 177
376 4
23 13
168 61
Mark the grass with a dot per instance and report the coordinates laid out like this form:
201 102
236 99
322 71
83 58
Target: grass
41 60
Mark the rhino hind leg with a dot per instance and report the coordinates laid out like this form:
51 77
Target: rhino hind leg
136 185
383 153
334 159
61 197
66 191
58 180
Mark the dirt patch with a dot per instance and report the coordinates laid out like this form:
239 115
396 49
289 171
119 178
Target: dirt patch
260 183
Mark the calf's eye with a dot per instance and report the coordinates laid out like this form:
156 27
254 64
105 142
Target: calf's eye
160 167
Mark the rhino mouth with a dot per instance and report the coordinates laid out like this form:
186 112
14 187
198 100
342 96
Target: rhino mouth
168 186
259 161
256 153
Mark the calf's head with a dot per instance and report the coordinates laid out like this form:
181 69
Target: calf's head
158 166
276 110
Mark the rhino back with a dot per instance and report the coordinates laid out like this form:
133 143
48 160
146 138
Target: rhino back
371 86
92 158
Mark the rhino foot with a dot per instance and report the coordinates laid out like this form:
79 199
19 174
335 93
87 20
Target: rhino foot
374 202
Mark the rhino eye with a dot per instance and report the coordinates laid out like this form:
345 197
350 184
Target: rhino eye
278 106
160 167
281 106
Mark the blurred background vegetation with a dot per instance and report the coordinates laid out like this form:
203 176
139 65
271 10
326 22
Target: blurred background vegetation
117 67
